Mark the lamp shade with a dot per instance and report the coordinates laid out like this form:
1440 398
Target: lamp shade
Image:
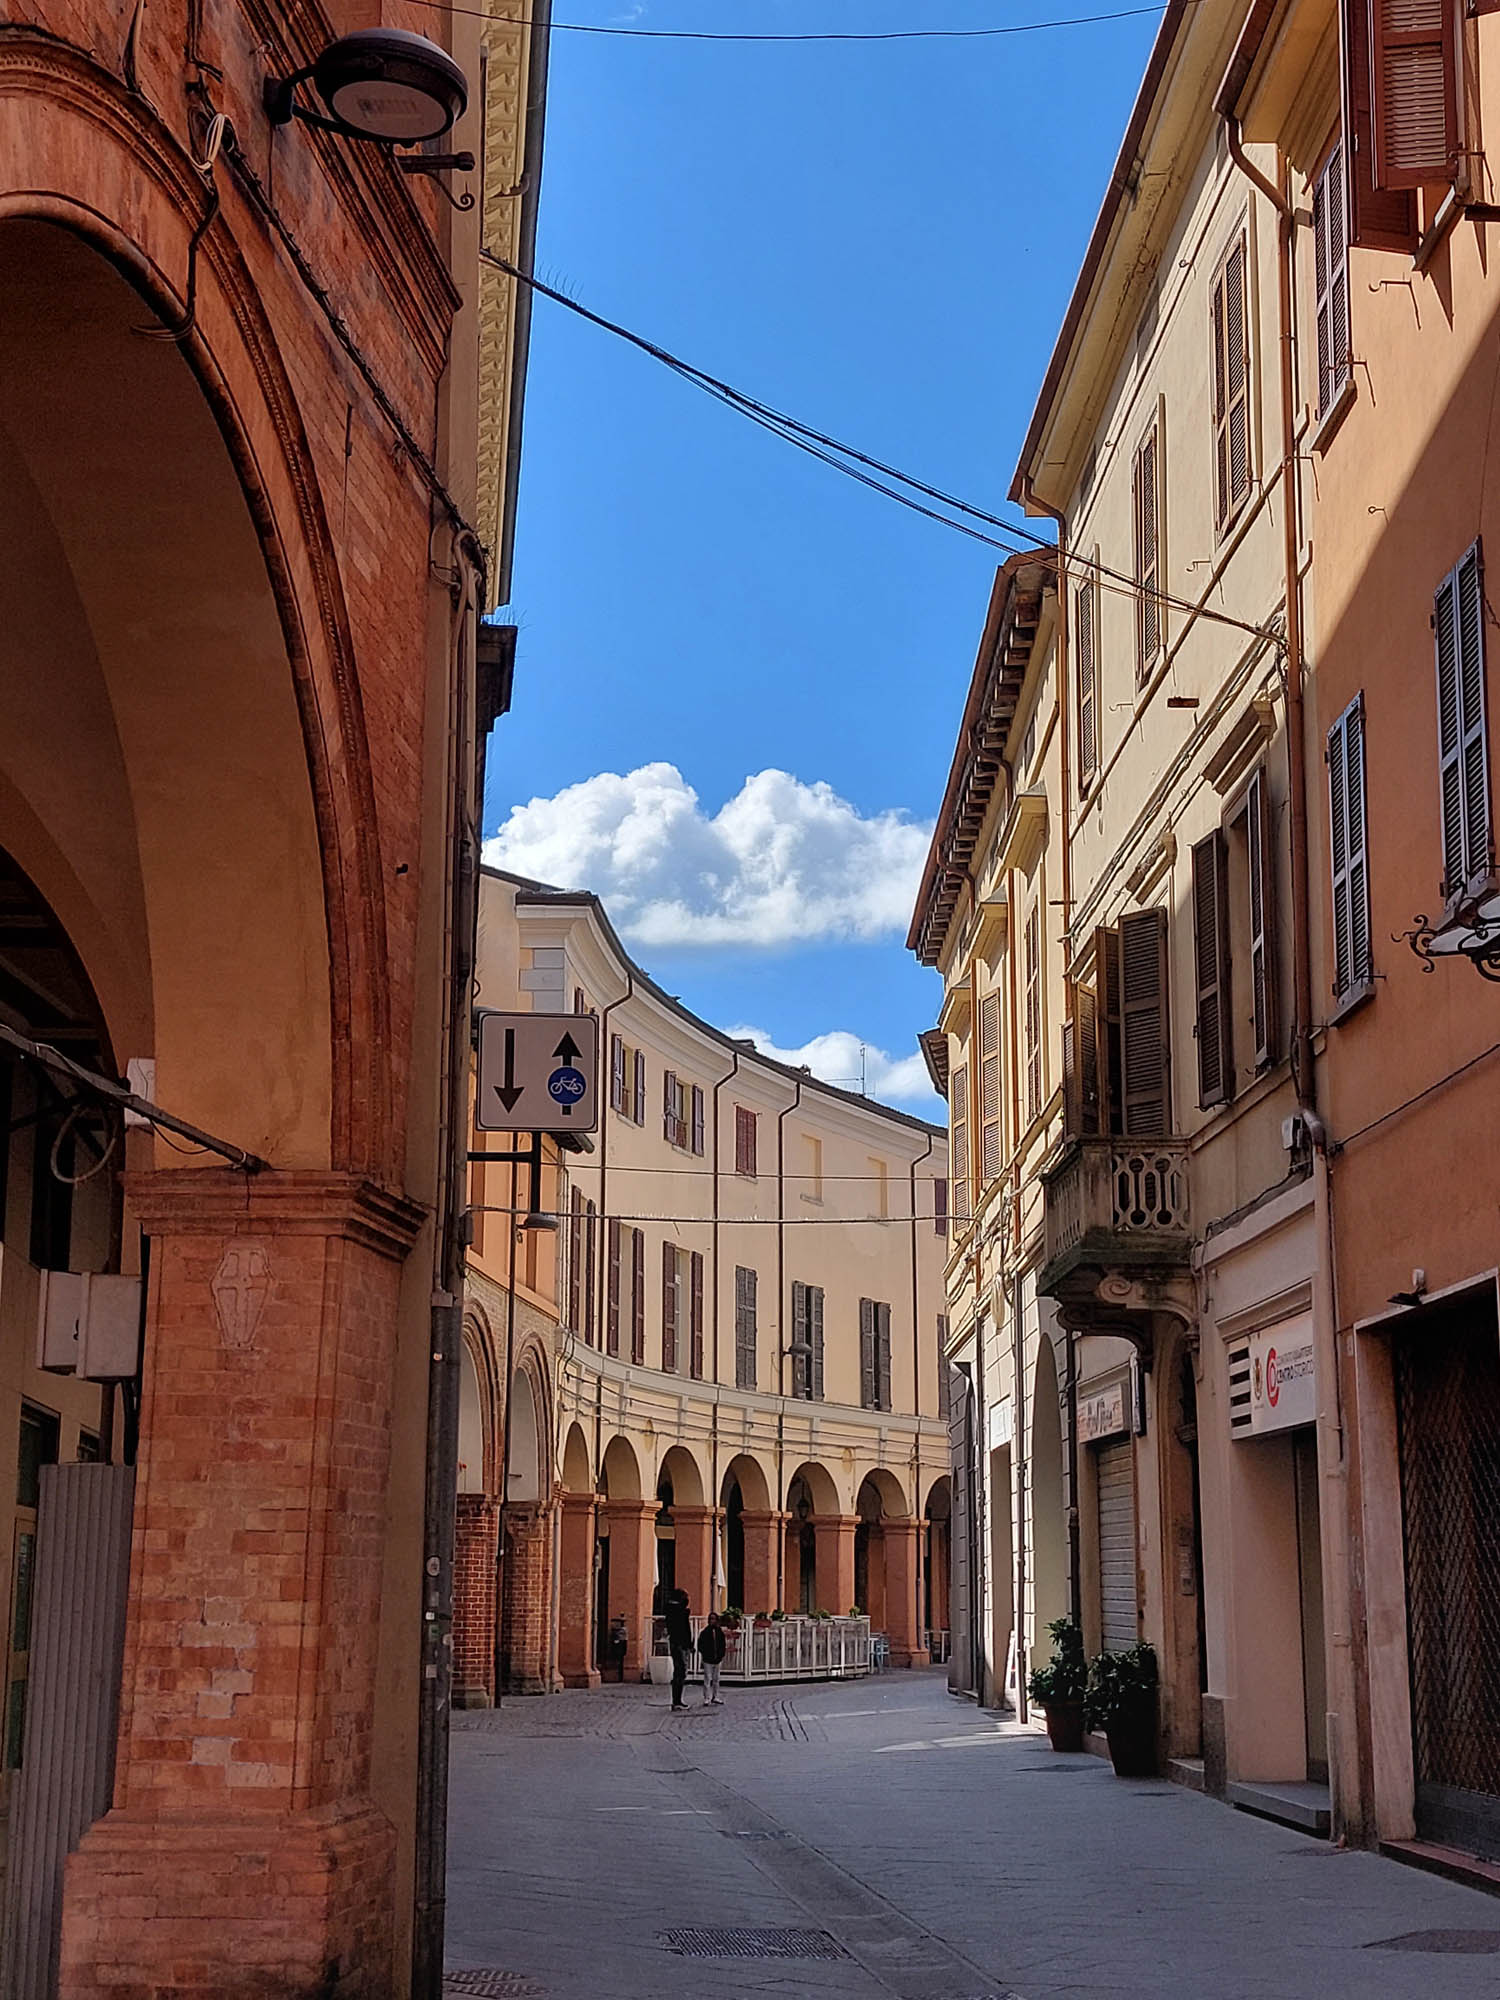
383 83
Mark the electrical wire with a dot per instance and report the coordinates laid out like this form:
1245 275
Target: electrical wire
732 1221
827 35
863 467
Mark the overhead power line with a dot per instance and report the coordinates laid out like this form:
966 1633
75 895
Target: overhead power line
874 472
825 35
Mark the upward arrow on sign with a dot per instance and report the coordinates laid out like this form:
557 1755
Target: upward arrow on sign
568 1049
509 1091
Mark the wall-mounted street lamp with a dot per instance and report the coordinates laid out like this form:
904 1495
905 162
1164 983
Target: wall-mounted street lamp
1470 929
378 83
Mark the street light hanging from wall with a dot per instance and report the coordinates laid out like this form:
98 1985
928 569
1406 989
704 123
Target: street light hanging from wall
382 84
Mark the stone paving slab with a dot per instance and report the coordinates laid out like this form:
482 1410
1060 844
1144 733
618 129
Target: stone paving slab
954 1856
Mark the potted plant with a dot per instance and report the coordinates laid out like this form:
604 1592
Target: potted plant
731 1615
1120 1699
1058 1688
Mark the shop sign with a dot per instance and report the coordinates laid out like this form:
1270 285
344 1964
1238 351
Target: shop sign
1283 1377
1002 1423
1103 1411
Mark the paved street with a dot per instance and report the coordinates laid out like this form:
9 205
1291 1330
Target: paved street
933 1852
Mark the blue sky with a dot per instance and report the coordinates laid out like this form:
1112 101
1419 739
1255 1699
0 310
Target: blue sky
880 239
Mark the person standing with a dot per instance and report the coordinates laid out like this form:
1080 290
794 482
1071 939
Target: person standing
711 1645
676 1612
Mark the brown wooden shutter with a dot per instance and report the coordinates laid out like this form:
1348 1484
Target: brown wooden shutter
1380 218
669 1307
1034 1013
1331 273
1463 754
638 1297
695 1314
1231 384
815 1334
939 1206
958 1141
1348 855
669 1107
617 1073
698 1119
882 1357
1088 683
989 1071
744 1141
640 1086
867 1354
590 1284
1147 498
575 1261
1413 91
1262 857
744 1327
1211 966
1073 1126
801 1343
1107 1028
1145 1084
612 1288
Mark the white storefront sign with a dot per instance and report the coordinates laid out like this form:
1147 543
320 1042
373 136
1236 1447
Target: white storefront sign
1103 1410
1283 1377
1002 1423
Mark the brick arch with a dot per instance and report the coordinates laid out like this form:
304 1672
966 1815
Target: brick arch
754 1482
880 1496
480 1357
575 1463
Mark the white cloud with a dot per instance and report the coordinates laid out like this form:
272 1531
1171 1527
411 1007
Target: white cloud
780 863
835 1057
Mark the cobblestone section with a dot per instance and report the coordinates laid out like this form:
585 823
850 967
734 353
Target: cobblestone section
951 1855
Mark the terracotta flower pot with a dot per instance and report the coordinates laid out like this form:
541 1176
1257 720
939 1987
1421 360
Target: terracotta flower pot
1064 1724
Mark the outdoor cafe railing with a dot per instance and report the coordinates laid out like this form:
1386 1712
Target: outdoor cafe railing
784 1649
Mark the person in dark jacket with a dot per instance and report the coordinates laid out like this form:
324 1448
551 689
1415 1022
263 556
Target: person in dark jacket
678 1616
711 1652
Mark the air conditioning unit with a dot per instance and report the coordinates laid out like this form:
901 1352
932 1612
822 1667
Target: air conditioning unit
1293 1132
89 1324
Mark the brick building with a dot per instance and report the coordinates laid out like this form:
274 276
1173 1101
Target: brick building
243 390
723 1365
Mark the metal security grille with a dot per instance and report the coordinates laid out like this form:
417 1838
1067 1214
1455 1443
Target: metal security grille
1115 1465
484 1984
1448 1401
777 1942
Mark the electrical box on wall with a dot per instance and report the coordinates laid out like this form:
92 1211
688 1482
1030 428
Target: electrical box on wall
89 1324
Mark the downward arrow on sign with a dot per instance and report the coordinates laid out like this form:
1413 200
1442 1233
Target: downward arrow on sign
509 1091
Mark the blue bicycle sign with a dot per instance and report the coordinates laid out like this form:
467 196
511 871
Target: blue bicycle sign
567 1085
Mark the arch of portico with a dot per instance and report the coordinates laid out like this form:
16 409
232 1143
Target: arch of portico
887 1564
819 1552
578 1503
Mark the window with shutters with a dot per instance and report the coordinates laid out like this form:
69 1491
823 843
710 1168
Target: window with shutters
807 1342
627 1080
1091 1042
575 1261
1414 92
745 1131
958 1140
640 1086
1032 972
695 1314
989 1088
1352 968
874 1355
744 1327
590 1274
940 1206
671 1305
1146 498
1331 275
675 1125
1214 1027
613 1247
1230 377
638 1297
1380 216
1145 1055
1260 854
1463 750
698 1119
1087 623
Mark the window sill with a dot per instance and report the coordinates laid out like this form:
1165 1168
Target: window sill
1332 418
1351 1002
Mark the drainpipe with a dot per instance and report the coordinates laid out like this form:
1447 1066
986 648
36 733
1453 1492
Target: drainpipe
781 1118
1343 1758
713 1445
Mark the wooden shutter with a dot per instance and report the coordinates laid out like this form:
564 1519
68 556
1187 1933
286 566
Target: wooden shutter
640 1086
1231 385
882 1357
1147 502
669 1107
1034 1013
1463 756
958 1142
575 1261
1380 218
695 1314
590 1287
867 1354
815 1334
1211 968
1261 851
989 1088
801 1343
698 1119
1072 1081
1088 683
1107 1037
612 1288
744 1327
939 1206
1413 91
1145 1054
669 1307
617 1072
638 1297
1347 852
744 1141
1331 269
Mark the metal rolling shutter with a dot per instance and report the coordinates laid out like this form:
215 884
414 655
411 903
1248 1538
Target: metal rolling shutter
961 1571
1116 1479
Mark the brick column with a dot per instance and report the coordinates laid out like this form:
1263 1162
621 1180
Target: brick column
632 1575
528 1597
475 1539
791 1566
243 1854
762 1533
694 1529
901 1619
835 1533
575 1598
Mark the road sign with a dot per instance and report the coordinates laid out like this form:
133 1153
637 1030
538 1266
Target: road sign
538 1073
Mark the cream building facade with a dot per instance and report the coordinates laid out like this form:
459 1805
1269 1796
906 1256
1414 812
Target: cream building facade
724 1364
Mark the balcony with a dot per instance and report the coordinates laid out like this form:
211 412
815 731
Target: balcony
1118 1237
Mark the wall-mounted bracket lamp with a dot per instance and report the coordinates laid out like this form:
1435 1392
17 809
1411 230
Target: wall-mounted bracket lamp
378 83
